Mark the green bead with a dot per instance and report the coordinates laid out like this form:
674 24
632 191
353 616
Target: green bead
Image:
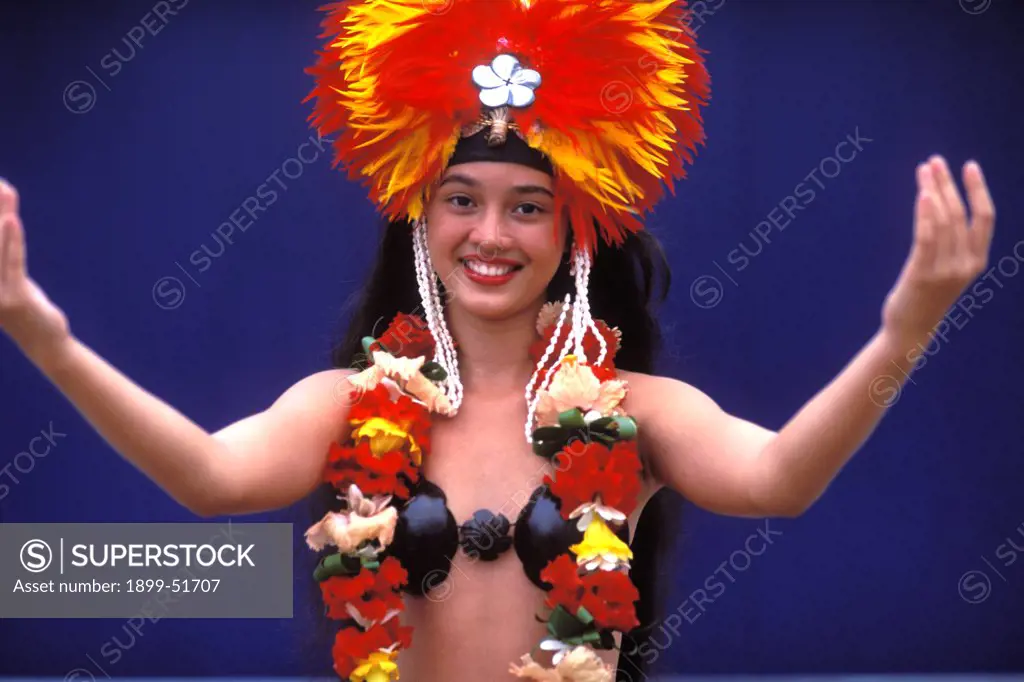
433 371
548 441
627 427
572 419
367 342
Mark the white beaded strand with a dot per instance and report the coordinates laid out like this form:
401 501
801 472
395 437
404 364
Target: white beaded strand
444 348
582 321
583 297
444 353
532 398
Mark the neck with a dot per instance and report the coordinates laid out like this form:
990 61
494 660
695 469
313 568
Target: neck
494 354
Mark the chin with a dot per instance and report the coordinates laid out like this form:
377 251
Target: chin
492 307
497 300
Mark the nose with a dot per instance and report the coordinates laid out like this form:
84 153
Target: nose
490 235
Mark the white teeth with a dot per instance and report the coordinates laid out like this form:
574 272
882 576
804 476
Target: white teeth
488 270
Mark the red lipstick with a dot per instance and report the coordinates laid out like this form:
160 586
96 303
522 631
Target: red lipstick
490 280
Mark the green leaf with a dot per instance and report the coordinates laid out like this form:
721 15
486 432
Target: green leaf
602 424
571 629
336 564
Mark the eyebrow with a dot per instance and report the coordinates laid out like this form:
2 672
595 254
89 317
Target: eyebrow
518 189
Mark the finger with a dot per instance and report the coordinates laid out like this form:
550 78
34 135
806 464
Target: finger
954 205
13 266
983 211
925 249
943 238
8 197
3 251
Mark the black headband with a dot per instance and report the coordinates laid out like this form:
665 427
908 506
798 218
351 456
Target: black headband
514 150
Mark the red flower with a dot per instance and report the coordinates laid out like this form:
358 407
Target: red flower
604 372
594 469
363 462
408 336
590 344
608 596
352 645
339 590
385 475
383 596
372 592
406 413
566 586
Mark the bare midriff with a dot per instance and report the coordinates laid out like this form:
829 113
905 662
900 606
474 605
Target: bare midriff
483 616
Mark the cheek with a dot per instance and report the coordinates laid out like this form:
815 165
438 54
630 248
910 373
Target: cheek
442 241
546 252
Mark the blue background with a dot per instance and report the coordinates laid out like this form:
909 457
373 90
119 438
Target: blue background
121 184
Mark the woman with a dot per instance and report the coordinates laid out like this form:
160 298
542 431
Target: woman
508 252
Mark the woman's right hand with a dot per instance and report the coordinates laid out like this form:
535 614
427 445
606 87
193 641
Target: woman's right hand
265 461
26 314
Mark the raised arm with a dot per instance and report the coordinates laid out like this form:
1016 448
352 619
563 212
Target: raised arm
731 466
266 461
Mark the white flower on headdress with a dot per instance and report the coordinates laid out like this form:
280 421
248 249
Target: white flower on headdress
505 83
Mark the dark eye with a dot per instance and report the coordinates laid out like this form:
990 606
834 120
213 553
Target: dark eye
537 210
455 198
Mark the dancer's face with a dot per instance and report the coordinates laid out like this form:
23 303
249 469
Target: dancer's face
493 237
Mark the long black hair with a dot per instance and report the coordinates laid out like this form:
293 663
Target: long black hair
627 283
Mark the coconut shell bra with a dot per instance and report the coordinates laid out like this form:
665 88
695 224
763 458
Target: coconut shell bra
394 535
427 536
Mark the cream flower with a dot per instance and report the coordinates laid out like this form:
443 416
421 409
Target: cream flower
364 506
406 374
549 313
590 511
580 664
505 83
574 385
347 530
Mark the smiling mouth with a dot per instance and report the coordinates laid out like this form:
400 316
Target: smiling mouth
490 269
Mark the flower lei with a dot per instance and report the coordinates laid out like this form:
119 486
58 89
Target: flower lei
579 420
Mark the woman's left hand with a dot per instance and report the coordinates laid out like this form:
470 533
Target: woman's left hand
947 254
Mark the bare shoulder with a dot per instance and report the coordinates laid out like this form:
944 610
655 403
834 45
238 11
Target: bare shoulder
650 392
696 448
321 388
276 457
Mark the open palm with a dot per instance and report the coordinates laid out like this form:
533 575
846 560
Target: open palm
948 251
26 314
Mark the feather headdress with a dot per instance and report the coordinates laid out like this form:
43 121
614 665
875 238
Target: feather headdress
608 90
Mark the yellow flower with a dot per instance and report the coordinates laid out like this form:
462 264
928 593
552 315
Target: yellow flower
601 548
386 436
379 667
